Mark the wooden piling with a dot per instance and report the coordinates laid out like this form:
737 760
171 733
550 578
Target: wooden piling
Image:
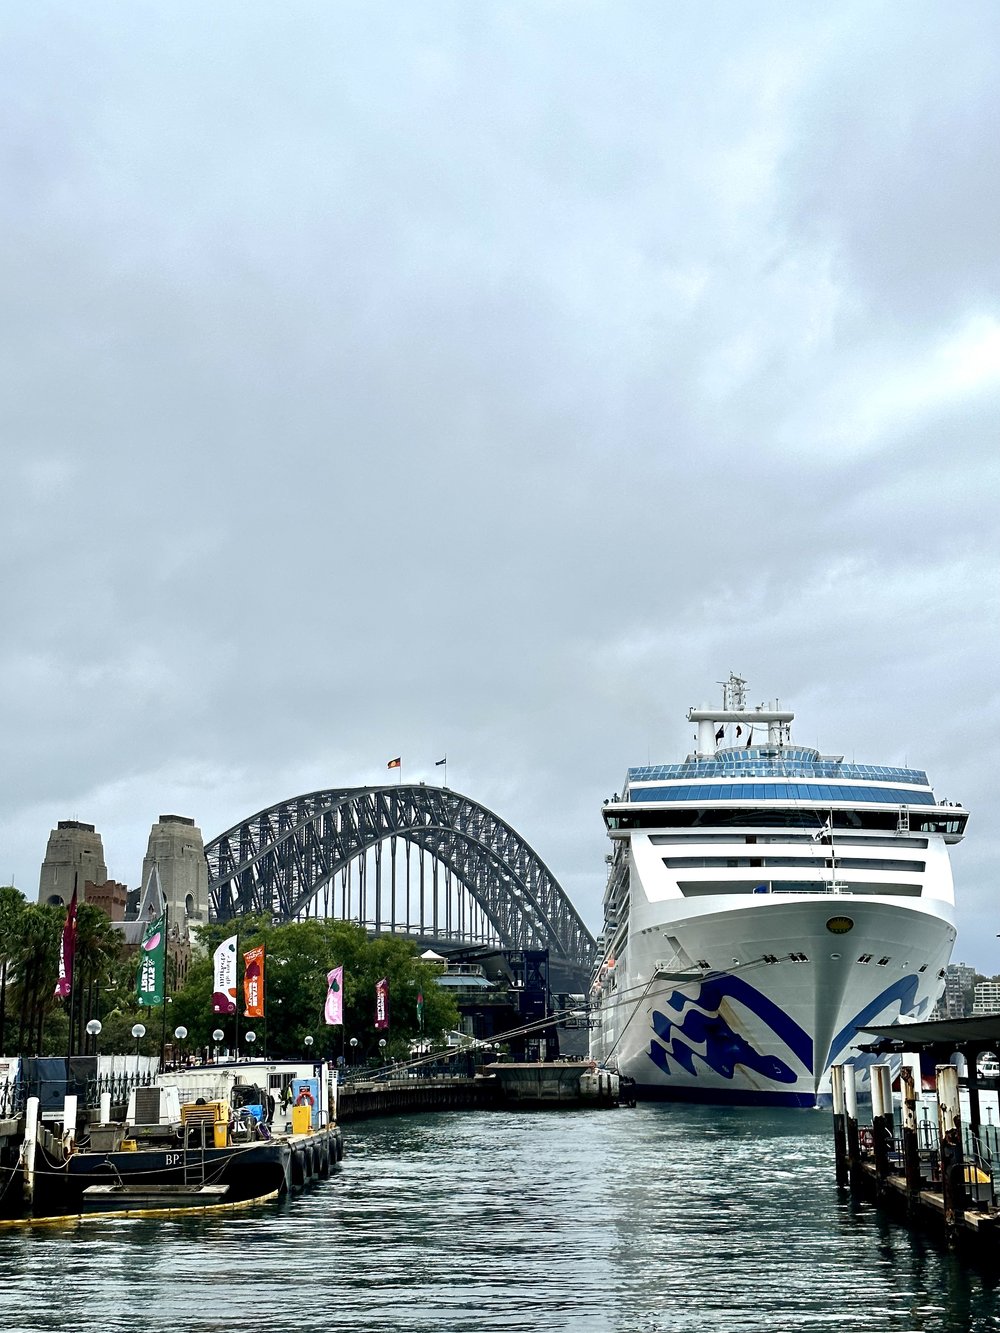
839 1125
883 1123
950 1147
911 1143
851 1121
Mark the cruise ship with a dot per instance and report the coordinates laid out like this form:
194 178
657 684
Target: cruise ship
764 902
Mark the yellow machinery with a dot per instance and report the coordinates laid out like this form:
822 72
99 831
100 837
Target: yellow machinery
214 1116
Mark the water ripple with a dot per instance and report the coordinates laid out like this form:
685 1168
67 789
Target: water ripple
653 1220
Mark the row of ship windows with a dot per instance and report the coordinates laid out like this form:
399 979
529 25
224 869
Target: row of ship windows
773 862
781 791
864 958
707 888
790 766
675 816
842 839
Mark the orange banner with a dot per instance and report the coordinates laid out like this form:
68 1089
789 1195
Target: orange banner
253 982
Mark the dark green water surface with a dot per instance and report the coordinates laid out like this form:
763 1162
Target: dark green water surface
658 1218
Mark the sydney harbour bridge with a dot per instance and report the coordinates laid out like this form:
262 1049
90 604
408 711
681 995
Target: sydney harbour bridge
423 862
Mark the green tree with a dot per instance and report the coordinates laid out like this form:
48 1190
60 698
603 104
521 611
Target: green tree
35 964
298 957
12 904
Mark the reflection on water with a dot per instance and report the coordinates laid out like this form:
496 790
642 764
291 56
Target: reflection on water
636 1221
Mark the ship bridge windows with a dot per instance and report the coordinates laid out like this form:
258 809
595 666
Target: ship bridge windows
783 791
706 888
665 817
735 840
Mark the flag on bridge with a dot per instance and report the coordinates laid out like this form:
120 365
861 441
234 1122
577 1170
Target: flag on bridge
439 762
394 763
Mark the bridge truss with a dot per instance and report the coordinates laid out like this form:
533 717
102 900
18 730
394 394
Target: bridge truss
421 861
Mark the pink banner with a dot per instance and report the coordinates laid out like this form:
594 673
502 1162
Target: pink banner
67 950
382 1005
333 1010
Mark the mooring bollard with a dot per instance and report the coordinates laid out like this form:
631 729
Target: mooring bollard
950 1135
911 1145
839 1124
851 1118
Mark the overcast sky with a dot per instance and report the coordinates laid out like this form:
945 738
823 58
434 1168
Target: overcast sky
491 379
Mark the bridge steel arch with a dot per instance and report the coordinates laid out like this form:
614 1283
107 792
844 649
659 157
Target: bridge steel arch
279 860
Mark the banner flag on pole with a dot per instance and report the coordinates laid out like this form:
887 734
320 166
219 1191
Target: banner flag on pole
253 982
394 763
333 1010
382 1005
224 977
439 762
67 950
150 974
420 1009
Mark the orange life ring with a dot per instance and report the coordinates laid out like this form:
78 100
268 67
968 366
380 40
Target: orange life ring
305 1097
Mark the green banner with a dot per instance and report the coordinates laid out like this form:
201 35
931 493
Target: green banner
149 978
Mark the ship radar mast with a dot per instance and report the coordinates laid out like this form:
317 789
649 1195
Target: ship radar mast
713 722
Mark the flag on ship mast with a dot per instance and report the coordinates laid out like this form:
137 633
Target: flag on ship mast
151 972
67 950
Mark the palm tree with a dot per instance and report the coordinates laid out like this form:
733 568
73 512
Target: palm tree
12 904
98 950
36 961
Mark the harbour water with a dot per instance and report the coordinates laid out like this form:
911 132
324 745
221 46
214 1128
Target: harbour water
632 1221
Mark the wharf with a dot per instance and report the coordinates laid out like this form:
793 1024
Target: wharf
939 1180
360 1100
506 1086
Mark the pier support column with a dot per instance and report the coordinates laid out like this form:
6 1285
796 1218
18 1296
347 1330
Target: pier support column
851 1120
883 1122
839 1124
911 1146
950 1135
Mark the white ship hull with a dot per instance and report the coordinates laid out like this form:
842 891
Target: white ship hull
759 1032
765 903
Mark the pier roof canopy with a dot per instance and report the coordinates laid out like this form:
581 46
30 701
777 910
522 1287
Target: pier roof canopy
981 1034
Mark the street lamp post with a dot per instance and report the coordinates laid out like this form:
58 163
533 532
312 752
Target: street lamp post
354 1049
251 1037
381 1050
217 1036
138 1031
179 1034
94 1031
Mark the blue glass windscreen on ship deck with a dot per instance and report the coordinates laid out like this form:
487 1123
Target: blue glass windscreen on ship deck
791 763
780 791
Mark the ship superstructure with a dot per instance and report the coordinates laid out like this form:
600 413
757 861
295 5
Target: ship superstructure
764 901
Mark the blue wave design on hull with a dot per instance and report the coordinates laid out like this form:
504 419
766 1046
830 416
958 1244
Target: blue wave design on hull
724 1048
904 991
